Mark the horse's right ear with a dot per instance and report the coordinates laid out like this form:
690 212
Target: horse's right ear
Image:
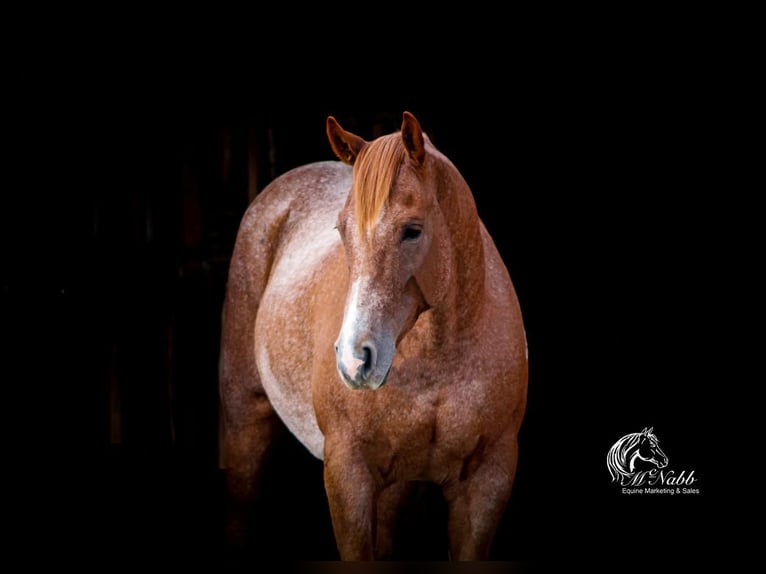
345 144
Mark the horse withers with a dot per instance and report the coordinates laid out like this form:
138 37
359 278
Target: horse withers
369 310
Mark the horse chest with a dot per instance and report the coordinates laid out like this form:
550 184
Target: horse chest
425 436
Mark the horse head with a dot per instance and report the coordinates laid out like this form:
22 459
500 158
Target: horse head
394 240
649 450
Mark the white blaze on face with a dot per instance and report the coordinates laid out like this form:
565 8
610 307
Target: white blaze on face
366 340
350 331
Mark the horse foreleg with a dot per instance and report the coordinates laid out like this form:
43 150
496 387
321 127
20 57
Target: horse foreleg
476 501
389 503
351 496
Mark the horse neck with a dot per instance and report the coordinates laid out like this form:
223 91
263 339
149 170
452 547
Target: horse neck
465 295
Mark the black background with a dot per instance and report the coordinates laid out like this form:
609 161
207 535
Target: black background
597 173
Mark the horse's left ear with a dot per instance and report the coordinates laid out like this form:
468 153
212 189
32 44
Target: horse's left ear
412 136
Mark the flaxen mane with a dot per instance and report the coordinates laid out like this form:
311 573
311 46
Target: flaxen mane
374 172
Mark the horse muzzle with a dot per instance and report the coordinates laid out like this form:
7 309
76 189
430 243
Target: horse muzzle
359 368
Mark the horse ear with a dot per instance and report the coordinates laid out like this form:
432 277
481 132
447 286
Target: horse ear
345 144
412 136
650 430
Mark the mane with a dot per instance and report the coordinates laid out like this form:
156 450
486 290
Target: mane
617 458
374 172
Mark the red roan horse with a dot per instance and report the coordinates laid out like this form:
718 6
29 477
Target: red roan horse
368 308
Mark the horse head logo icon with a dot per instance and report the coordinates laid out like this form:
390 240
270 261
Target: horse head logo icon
626 453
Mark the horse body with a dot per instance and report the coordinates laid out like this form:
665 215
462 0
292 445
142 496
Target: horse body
391 364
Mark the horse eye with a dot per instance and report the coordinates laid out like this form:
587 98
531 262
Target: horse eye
411 233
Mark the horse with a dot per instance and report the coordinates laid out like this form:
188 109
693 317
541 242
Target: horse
626 452
368 309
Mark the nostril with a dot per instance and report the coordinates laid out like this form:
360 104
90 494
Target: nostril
368 358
